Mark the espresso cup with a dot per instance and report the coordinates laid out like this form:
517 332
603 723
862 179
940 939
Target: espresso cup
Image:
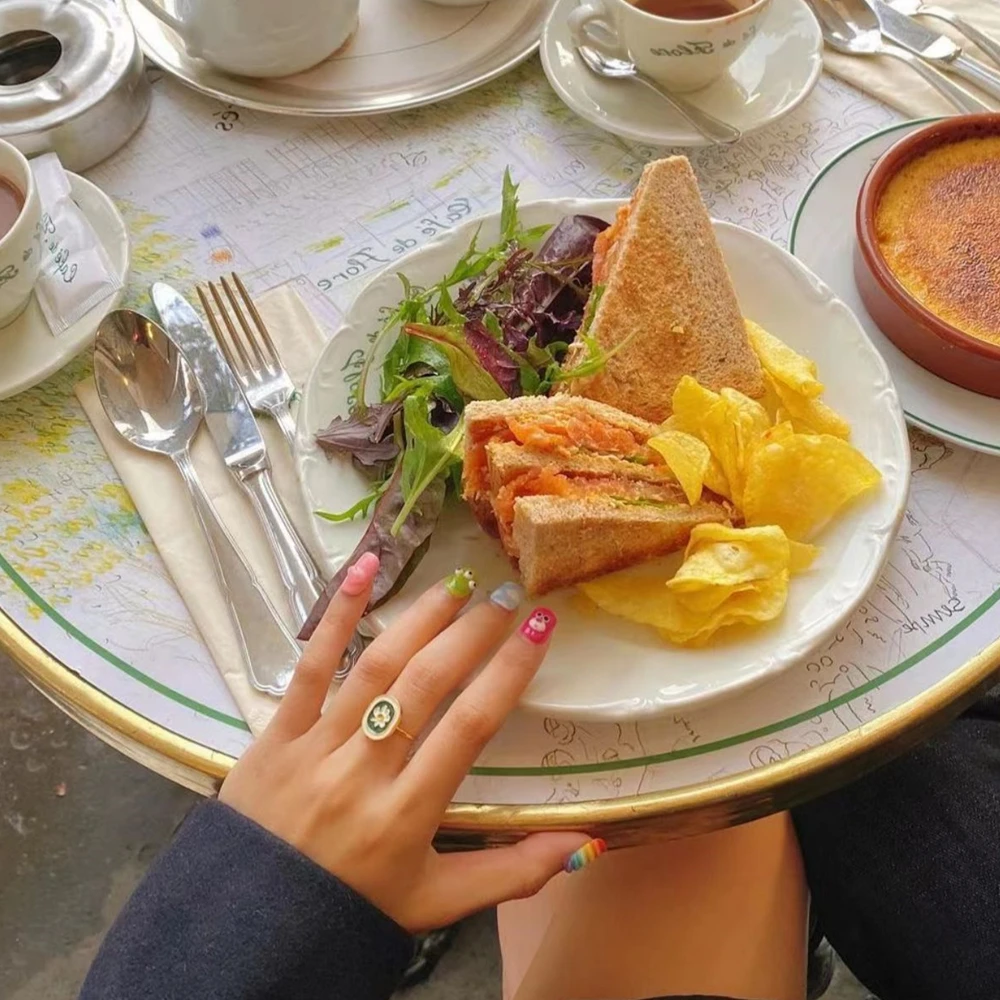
261 38
680 54
20 249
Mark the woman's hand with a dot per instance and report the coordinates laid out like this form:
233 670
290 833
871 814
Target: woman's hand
367 810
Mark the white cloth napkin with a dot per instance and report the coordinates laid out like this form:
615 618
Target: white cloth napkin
162 500
893 82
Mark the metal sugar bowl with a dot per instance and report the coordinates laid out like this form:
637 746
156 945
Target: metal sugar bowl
72 79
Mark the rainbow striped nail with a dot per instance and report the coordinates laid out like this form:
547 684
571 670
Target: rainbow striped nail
586 855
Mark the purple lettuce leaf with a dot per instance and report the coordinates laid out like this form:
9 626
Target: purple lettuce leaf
398 554
493 357
549 304
367 436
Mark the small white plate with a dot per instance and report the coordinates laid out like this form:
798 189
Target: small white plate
29 353
773 76
822 237
405 53
601 667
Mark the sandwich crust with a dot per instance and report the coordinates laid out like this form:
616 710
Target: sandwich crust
668 293
566 541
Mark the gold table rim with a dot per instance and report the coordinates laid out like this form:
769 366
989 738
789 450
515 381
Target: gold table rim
734 798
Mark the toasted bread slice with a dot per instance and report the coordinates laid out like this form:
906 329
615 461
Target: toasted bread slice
565 541
667 292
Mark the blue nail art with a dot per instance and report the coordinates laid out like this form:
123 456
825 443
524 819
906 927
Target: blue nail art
508 596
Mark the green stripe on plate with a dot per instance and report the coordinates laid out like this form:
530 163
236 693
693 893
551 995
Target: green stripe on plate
793 232
530 772
753 734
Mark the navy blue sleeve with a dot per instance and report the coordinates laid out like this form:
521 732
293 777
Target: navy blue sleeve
231 912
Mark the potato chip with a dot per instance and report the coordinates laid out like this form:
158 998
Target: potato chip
802 480
687 457
729 576
808 416
784 365
690 402
732 428
762 603
723 556
802 556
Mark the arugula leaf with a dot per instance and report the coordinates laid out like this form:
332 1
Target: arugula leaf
508 209
492 325
359 509
469 376
447 307
427 458
423 440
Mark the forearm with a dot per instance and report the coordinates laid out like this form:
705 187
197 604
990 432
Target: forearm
231 912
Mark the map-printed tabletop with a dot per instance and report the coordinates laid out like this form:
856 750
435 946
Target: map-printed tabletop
206 188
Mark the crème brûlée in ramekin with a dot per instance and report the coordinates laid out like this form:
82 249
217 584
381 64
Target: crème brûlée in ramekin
937 226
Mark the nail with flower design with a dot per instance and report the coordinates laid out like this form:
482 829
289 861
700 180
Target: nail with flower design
461 583
539 625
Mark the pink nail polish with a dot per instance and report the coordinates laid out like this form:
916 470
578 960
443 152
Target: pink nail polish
360 575
539 625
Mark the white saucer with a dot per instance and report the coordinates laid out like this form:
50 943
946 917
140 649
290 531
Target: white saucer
29 353
822 237
773 76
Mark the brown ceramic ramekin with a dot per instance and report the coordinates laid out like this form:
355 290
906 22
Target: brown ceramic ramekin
934 344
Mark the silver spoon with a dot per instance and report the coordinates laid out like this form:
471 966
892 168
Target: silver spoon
852 27
616 68
150 394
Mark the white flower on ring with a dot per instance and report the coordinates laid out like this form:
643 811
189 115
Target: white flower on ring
381 715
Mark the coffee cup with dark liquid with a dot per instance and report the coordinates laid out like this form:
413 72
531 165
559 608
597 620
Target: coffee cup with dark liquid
20 217
682 44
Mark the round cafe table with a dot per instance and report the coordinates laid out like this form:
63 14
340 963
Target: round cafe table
93 619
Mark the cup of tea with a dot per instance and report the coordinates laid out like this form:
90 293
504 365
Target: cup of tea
682 44
262 38
20 228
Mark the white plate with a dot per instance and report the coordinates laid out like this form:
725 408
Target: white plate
773 76
405 53
29 353
601 667
823 236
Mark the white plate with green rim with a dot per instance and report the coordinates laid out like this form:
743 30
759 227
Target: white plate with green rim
601 667
822 237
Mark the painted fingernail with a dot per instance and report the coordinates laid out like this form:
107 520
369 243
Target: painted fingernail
360 575
538 627
461 583
586 855
508 596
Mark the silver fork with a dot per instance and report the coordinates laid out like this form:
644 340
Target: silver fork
250 352
263 379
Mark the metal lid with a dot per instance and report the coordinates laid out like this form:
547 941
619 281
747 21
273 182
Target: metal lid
71 78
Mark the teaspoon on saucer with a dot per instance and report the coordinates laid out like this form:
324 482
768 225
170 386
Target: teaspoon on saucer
613 67
149 393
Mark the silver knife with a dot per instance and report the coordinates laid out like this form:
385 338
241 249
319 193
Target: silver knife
917 8
935 48
236 435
